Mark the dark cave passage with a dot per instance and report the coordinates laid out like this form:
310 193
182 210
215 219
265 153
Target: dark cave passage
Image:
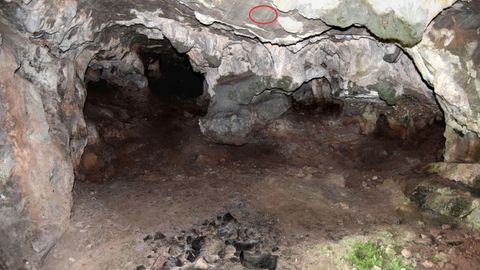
133 129
169 73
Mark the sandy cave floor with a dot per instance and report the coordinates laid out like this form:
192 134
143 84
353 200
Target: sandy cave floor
310 184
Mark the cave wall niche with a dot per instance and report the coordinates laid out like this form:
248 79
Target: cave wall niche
46 47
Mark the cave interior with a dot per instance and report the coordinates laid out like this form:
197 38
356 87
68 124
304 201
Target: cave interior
189 142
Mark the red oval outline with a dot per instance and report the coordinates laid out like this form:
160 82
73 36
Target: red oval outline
250 14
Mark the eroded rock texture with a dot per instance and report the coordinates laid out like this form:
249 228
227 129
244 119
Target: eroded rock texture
41 141
250 71
449 59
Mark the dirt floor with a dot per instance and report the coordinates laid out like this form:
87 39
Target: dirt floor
308 186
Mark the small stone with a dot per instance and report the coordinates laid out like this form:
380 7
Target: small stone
428 264
264 261
175 250
197 243
406 253
159 236
374 177
435 232
446 227
343 205
212 247
390 251
247 245
454 241
191 256
229 252
228 231
425 240
365 185
376 267
171 262
141 267
212 258
148 237
227 217
200 263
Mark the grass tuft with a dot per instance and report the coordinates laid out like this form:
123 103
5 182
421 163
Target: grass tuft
367 255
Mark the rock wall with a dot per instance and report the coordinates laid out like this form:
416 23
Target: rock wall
250 69
448 57
41 141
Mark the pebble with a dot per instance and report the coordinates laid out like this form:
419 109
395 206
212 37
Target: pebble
172 262
228 231
212 258
454 241
200 263
159 236
175 250
425 240
365 185
246 245
406 253
428 264
148 237
435 232
263 261
141 267
446 227
229 252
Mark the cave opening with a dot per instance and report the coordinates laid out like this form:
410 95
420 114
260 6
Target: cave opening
146 109
148 173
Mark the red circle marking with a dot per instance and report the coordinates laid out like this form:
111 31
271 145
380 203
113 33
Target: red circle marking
250 14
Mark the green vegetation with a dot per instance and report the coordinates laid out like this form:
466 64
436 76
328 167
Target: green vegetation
367 255
436 259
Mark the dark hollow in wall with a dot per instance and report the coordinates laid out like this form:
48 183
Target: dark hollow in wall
169 73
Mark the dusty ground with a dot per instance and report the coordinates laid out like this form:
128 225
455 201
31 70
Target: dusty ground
310 180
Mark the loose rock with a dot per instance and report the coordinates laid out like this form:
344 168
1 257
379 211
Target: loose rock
264 261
